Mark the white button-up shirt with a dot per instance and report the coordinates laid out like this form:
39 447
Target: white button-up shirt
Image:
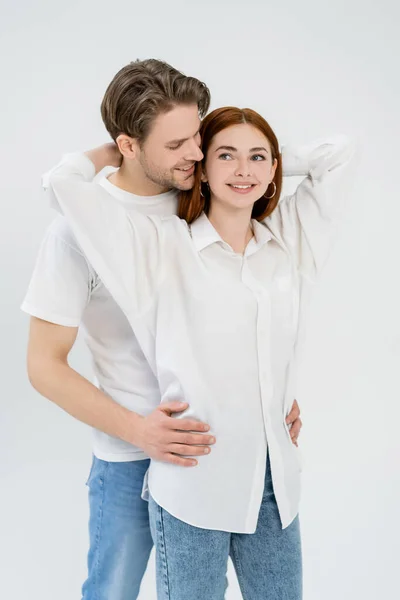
217 328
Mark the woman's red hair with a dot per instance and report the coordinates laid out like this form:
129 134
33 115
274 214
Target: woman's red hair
191 202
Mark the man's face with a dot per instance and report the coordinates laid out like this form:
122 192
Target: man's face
172 148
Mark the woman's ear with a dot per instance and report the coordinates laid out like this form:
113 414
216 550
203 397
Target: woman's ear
204 177
127 146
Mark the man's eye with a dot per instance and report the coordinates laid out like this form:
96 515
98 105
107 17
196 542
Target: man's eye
174 147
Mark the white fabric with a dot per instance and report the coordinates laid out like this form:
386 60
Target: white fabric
65 290
217 328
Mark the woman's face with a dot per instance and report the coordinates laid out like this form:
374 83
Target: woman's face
239 167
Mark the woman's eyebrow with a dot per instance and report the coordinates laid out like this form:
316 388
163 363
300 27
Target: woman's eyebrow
229 148
233 149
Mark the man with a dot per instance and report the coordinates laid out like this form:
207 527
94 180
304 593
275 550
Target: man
152 113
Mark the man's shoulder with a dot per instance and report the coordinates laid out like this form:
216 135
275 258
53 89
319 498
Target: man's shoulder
61 230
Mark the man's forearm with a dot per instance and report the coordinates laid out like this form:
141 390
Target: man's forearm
81 399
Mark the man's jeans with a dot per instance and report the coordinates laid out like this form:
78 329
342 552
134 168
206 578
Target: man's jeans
192 562
120 539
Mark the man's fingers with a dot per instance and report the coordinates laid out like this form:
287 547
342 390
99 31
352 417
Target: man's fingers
184 450
178 460
190 439
187 425
174 406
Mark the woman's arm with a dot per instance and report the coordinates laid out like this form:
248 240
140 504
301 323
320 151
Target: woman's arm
124 249
305 220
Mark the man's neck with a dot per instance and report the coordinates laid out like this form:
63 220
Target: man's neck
234 226
131 178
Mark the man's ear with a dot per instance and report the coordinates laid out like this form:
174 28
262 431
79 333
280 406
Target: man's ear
129 147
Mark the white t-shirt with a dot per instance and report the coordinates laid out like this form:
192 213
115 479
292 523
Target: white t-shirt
65 290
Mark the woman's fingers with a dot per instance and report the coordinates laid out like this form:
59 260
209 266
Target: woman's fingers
295 430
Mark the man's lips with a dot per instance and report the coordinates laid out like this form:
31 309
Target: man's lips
186 170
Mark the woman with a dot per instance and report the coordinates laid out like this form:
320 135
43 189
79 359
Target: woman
223 283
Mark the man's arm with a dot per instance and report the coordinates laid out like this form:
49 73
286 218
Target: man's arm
50 374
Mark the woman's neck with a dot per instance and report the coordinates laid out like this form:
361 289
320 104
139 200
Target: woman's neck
234 226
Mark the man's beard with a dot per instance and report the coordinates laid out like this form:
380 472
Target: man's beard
165 179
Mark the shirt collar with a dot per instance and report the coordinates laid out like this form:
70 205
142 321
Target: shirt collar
204 234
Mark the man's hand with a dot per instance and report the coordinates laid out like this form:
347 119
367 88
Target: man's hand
172 440
294 422
106 155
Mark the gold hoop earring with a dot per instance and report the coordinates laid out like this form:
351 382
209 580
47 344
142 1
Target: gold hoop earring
269 197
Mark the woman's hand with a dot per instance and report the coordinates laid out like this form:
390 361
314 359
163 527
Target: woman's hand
294 422
106 155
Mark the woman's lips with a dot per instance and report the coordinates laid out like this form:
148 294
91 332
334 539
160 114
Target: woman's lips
243 189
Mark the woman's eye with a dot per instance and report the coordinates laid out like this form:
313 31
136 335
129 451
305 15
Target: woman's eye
225 156
258 157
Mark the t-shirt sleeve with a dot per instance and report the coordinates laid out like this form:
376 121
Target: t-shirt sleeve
60 286
306 221
123 248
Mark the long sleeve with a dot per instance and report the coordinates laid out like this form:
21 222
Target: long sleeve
123 248
306 220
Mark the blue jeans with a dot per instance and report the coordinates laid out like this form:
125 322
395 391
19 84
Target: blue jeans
119 531
191 563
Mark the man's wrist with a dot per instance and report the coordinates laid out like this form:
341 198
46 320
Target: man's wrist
104 156
130 429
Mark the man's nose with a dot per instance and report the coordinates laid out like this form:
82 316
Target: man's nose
194 152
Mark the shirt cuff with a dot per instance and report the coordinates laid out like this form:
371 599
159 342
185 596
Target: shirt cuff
298 161
77 161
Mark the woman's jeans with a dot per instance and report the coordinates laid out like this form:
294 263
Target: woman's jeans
191 563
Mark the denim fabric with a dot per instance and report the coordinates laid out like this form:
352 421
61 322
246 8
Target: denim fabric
192 562
119 532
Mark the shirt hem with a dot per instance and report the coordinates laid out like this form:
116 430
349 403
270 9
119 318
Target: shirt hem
120 456
245 530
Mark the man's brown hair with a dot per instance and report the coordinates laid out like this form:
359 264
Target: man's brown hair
142 90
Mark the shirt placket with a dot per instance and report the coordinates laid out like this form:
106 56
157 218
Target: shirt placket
266 384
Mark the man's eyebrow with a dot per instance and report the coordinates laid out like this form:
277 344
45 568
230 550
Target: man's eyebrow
181 141
233 149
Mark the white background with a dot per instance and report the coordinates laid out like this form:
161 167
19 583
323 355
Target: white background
311 68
